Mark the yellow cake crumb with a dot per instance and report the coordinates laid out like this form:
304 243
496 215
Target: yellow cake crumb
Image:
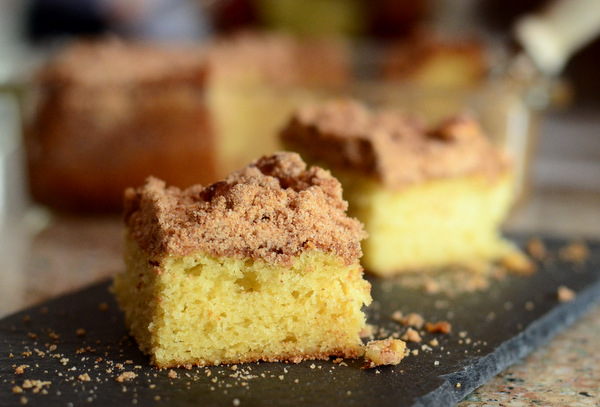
411 336
20 369
518 263
384 352
126 376
565 294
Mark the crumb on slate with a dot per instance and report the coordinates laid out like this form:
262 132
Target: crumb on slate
411 336
125 376
536 248
384 352
519 263
443 327
576 252
565 294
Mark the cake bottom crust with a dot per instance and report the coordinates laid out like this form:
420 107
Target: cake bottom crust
348 353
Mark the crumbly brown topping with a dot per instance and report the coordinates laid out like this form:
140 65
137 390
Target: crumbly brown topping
278 59
245 58
110 61
396 149
274 209
264 58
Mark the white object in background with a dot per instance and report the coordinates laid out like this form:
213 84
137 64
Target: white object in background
13 198
13 49
552 37
19 220
13 206
568 157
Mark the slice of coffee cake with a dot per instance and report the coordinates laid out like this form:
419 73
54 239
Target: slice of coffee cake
261 266
428 197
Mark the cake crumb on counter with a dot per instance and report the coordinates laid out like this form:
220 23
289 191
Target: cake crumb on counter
576 252
35 385
565 294
443 327
125 376
20 369
411 336
413 319
536 248
397 316
384 352
84 377
518 263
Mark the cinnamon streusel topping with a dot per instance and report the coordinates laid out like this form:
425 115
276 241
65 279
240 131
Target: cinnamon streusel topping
396 149
114 62
274 209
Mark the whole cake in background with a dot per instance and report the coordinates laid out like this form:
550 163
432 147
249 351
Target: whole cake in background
429 197
261 266
109 113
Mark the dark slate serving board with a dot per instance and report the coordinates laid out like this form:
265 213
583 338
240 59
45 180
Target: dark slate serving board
83 333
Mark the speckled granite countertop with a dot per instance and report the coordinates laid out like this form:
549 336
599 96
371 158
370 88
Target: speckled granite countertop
565 202
565 372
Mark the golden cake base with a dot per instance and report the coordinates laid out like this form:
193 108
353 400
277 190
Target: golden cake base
202 310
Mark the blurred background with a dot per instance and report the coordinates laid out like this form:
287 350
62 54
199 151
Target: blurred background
98 94
36 23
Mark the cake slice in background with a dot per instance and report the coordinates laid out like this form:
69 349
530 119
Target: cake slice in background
429 197
104 115
261 266
430 60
